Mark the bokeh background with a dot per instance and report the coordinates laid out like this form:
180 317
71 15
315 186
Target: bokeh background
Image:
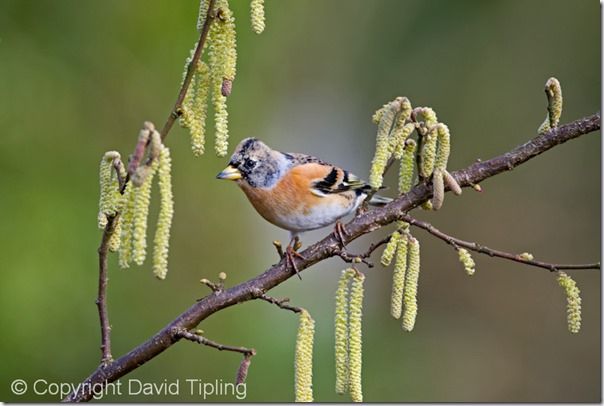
79 77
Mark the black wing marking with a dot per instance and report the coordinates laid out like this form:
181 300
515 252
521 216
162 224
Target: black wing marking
326 185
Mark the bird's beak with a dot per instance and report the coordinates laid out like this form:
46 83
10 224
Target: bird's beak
229 173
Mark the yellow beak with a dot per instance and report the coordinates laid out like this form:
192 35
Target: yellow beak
229 173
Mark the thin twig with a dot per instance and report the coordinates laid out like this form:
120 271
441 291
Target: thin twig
456 243
364 257
101 300
118 167
177 109
215 287
220 347
282 303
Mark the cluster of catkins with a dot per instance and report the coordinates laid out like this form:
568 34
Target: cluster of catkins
396 122
348 334
128 206
405 277
213 78
348 341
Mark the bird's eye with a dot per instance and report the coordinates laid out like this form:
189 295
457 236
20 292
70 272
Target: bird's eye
249 164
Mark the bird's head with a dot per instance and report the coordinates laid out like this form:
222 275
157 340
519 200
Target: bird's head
254 162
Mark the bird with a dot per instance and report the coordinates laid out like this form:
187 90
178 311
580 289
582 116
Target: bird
296 192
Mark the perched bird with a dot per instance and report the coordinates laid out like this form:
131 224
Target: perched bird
294 191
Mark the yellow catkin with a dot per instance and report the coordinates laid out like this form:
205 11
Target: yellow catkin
444 146
406 110
382 150
105 184
573 301
127 218
257 15
195 107
400 141
411 282
428 152
222 57
438 186
427 205
398 278
203 13
303 361
355 345
467 261
230 45
166 211
142 201
115 239
527 256
377 116
553 91
401 129
221 122
427 115
390 249
201 108
451 183
405 175
341 332
109 191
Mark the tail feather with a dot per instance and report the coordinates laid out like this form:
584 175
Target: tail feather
377 200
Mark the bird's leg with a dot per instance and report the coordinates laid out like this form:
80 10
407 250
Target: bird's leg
340 233
291 251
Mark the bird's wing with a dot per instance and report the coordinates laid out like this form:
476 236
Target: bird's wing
323 179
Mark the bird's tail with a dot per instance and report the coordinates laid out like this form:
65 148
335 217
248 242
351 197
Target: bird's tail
377 200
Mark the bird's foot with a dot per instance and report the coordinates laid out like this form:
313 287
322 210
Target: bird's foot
340 233
291 253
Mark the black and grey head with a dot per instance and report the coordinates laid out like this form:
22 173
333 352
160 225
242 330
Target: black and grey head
257 164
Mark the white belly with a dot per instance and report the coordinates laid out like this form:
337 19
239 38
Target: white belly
318 216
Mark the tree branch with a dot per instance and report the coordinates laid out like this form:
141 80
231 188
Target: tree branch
456 243
360 225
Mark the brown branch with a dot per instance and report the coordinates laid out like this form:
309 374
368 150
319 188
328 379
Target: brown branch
196 338
456 243
101 300
326 248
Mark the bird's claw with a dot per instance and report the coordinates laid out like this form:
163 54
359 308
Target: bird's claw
291 252
340 233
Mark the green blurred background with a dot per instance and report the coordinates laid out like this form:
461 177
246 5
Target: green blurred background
79 78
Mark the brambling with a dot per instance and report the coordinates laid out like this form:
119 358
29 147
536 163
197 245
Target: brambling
294 191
